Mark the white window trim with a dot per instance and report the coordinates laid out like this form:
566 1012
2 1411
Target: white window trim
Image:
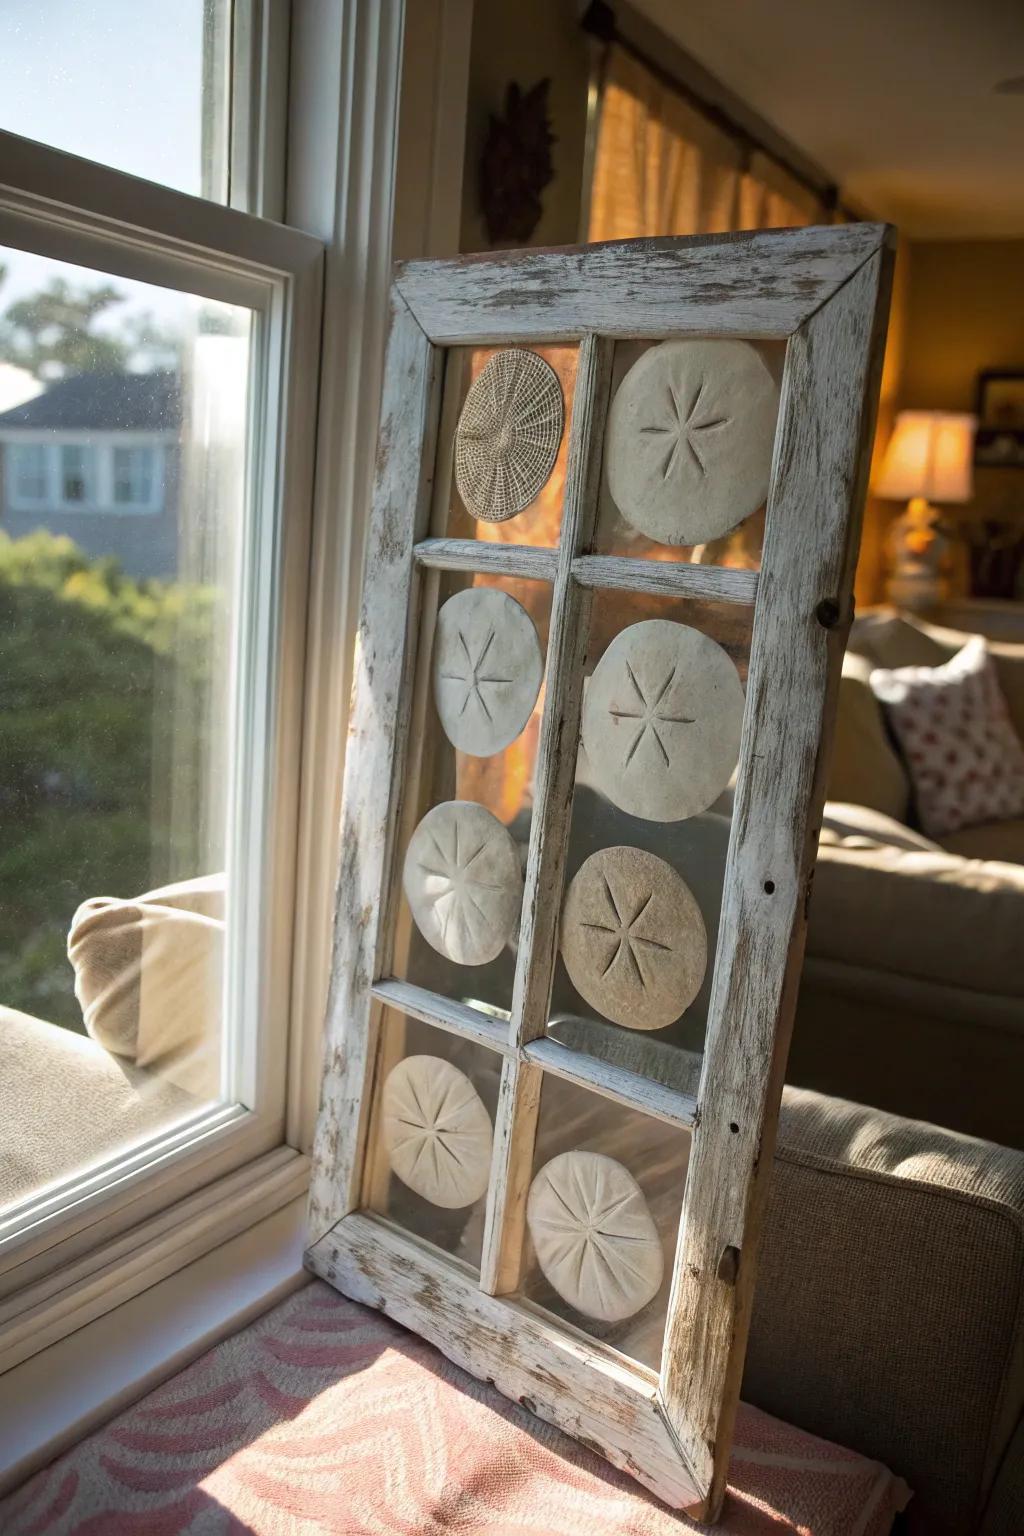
74 210
352 171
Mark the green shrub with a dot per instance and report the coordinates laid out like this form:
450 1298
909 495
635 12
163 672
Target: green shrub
89 663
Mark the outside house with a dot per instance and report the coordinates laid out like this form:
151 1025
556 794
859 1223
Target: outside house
95 457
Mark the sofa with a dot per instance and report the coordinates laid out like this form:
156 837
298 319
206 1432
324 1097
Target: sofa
912 996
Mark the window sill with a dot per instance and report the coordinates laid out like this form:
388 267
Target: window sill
51 1400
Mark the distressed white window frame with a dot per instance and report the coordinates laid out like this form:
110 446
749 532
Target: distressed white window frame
824 292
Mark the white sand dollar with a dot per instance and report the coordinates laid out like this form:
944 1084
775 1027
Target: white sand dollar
595 1238
508 434
689 443
488 668
437 1132
662 719
463 882
633 938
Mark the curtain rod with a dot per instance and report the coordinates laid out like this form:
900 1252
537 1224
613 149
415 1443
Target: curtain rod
599 21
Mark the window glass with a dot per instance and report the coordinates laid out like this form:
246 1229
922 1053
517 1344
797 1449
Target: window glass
29 471
77 474
116 645
134 476
162 109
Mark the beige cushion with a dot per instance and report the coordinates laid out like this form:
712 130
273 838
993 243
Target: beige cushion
66 1103
993 840
889 1309
858 826
148 977
921 914
865 767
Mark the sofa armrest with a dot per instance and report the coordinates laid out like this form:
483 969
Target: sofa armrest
889 1309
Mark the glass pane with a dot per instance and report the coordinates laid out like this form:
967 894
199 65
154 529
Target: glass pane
688 450
478 701
649 832
138 87
504 444
432 1130
603 1216
122 467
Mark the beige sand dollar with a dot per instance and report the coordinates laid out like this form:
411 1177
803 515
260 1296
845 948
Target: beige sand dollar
463 882
488 668
508 434
437 1132
662 719
633 938
690 435
596 1241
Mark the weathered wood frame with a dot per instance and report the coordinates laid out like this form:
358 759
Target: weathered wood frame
825 293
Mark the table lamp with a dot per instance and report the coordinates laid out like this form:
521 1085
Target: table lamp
928 459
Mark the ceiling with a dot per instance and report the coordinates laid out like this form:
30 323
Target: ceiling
893 98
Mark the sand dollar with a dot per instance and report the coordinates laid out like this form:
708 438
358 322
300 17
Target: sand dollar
689 442
508 434
662 720
463 882
633 938
488 668
596 1241
437 1132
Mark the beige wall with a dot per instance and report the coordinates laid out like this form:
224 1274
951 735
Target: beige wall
525 42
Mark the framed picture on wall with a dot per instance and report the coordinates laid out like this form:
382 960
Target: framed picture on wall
999 442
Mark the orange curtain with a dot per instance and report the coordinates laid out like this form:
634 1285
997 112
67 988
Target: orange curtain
662 168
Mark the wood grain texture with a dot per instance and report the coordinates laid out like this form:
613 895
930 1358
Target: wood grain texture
373 763
444 1013
663 578
579 1387
515 1136
613 1082
763 284
477 556
826 423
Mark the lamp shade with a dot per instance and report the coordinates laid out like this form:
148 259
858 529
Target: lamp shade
929 455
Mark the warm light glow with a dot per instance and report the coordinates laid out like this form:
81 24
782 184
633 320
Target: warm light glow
929 455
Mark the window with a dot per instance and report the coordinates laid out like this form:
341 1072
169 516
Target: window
77 475
29 474
162 353
167 123
135 479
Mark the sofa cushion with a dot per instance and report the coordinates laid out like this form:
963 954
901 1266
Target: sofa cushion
148 975
920 914
858 826
998 841
966 761
889 1308
65 1103
866 769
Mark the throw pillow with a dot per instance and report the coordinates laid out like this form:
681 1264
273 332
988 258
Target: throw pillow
965 759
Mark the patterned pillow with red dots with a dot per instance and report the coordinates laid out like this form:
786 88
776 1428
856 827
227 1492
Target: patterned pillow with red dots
966 761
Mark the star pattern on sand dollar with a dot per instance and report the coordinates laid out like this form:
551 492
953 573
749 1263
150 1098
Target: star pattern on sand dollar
429 1117
650 714
685 429
472 676
592 1229
628 946
453 883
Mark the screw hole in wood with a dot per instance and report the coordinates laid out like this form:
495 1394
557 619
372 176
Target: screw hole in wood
734 1127
769 887
827 613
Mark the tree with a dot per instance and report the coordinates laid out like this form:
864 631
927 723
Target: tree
54 333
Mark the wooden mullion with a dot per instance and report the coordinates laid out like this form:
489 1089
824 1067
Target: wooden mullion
477 557
519 1100
818 484
444 1013
613 1082
662 578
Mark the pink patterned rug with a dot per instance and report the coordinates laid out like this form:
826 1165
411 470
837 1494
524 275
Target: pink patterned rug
323 1417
